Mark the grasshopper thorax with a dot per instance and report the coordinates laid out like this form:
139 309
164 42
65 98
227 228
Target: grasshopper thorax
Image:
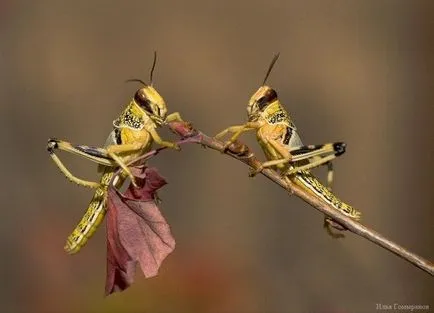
264 105
151 104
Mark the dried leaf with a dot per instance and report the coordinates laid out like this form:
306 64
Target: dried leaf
136 231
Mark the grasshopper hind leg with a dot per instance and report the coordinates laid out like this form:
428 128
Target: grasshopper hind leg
331 226
70 176
330 175
93 154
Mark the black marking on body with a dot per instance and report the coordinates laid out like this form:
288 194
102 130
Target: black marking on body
279 116
92 151
118 138
287 136
132 120
129 119
306 149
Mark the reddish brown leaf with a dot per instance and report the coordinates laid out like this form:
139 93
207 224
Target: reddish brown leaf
136 231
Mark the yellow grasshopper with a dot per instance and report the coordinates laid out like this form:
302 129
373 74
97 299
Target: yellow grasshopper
133 133
282 146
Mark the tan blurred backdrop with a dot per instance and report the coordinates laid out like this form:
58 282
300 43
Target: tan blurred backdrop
356 71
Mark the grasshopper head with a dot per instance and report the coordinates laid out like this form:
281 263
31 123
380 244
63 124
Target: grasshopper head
263 97
259 102
151 104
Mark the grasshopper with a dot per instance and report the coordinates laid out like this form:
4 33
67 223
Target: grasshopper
283 148
132 135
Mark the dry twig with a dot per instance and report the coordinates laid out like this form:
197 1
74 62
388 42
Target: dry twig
242 153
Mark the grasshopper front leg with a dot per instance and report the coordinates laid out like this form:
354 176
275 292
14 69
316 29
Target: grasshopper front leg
237 131
156 137
172 117
125 150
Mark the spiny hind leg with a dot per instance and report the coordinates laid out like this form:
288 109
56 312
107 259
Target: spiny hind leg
312 151
330 175
94 154
318 155
53 144
71 177
107 157
313 164
303 153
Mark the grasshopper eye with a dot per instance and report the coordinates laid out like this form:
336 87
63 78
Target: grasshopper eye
269 97
262 102
142 100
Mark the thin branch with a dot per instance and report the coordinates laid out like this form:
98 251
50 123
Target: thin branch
242 153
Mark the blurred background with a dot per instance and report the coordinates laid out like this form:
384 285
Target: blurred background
353 71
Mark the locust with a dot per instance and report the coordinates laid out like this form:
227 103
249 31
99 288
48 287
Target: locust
285 152
132 135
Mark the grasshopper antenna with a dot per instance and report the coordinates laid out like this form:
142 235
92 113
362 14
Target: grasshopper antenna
151 75
153 67
276 56
136 80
